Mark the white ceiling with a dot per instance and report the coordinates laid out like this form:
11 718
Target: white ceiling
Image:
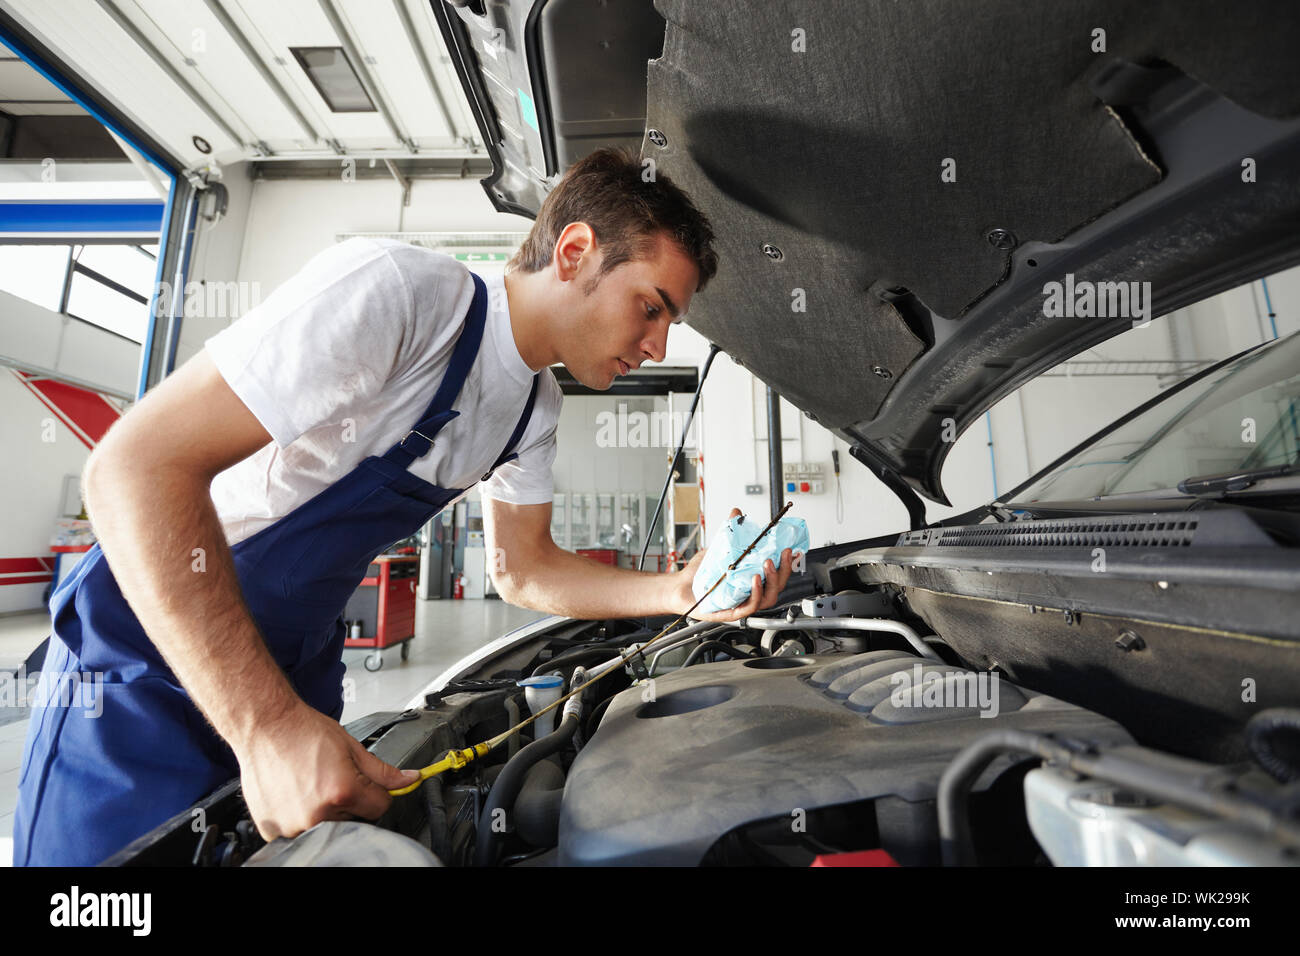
188 35
24 92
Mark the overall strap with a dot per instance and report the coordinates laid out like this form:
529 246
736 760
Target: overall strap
417 442
509 454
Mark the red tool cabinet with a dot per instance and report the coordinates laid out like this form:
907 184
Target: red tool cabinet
385 605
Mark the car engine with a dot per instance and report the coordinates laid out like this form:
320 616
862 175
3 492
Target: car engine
835 731
713 762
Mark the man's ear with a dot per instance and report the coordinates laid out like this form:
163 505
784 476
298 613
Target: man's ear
576 242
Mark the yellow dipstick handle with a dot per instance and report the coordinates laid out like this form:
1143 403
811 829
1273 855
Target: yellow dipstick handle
454 760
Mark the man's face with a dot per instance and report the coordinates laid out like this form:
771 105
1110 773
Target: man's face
624 320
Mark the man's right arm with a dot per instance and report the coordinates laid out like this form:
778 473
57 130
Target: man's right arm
147 492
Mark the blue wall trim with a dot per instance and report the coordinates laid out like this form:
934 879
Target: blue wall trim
84 217
1268 304
178 294
151 326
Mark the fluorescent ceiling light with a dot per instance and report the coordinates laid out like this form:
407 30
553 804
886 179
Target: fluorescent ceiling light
335 80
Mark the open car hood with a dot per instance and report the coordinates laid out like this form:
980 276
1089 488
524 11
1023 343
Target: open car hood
895 187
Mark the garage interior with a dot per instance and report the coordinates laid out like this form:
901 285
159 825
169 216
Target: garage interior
211 146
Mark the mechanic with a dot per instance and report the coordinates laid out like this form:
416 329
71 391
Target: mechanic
239 503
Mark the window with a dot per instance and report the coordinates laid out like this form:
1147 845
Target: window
34 273
110 288
107 285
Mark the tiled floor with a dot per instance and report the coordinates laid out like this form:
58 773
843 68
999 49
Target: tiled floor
445 631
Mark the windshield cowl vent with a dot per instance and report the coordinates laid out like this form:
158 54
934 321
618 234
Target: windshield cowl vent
1228 527
1107 532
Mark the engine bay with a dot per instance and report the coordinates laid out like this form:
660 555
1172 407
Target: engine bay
833 731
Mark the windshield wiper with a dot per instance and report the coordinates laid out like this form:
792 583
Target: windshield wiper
1232 480
998 511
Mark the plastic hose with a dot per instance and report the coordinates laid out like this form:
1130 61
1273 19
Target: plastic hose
511 781
698 652
537 808
1273 737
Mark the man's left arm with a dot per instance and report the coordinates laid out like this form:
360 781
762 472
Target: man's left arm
531 571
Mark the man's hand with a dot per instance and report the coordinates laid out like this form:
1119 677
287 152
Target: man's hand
763 594
532 572
306 768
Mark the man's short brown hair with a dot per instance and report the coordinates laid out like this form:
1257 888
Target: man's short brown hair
608 191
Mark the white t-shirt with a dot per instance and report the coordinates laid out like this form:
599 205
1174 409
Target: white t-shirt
342 360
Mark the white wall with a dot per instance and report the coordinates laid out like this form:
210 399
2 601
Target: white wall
38 337
277 225
734 436
581 464
32 487
290 221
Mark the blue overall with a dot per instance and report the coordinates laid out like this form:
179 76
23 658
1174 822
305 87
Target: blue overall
97 773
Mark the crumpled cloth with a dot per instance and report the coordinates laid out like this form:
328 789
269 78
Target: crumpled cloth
727 545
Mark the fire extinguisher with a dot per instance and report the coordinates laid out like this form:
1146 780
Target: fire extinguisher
458 587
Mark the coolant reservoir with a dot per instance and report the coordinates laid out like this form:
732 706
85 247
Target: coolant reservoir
539 693
1093 823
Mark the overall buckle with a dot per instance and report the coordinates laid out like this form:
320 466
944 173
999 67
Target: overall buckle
406 437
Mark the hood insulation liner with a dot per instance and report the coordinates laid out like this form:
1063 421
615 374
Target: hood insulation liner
815 135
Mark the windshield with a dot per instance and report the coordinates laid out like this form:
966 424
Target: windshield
1244 416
